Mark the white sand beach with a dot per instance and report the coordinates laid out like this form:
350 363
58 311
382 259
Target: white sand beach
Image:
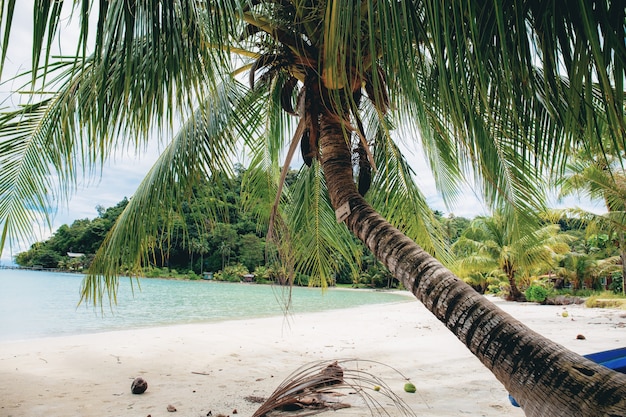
212 367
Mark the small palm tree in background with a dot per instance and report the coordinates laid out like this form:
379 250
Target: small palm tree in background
488 245
497 90
595 175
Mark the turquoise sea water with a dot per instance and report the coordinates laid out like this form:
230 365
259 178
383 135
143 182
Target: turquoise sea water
41 304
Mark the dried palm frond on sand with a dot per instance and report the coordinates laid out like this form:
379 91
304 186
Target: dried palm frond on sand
325 385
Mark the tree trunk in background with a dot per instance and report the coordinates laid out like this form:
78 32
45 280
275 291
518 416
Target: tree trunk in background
545 378
514 293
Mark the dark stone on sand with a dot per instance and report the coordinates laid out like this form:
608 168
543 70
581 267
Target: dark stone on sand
581 337
139 386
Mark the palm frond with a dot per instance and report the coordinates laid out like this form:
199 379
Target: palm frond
125 30
495 98
396 196
41 151
260 185
608 266
610 222
118 89
204 147
596 180
320 241
333 376
501 44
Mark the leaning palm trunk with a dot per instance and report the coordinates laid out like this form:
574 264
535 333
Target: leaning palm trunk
545 378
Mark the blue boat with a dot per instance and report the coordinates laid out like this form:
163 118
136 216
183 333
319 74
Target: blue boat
614 359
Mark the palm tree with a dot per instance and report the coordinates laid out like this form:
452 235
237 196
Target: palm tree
596 176
224 249
577 268
488 244
198 245
498 89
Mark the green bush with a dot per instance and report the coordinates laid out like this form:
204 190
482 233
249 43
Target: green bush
156 272
301 280
494 289
536 293
584 292
231 273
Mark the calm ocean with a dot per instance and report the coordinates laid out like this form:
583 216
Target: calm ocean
40 304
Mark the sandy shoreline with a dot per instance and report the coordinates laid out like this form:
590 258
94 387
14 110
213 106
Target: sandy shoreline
212 367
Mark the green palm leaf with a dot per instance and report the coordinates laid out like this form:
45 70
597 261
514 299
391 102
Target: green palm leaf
203 149
321 243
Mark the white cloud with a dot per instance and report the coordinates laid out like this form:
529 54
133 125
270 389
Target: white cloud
120 178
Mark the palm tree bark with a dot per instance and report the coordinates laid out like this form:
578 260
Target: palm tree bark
545 378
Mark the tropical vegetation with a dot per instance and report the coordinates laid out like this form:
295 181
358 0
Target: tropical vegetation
596 175
488 248
561 258
501 91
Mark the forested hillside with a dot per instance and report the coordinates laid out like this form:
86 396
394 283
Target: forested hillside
195 244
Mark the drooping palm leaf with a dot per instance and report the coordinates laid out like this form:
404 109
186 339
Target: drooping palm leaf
321 244
96 100
200 150
397 197
41 152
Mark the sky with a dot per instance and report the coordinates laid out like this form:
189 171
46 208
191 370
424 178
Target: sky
121 176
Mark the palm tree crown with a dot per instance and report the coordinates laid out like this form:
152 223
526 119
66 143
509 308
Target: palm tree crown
601 177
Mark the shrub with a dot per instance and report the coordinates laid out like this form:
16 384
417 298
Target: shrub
232 273
156 272
262 274
584 292
536 293
301 279
598 302
494 289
